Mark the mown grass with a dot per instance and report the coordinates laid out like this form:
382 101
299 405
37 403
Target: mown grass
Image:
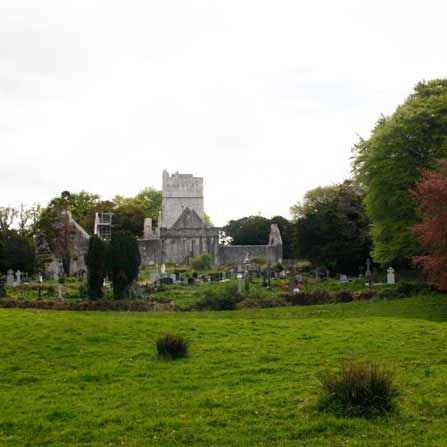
92 379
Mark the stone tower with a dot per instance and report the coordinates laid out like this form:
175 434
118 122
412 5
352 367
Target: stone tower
180 191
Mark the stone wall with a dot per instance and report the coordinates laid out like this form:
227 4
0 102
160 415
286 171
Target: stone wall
235 254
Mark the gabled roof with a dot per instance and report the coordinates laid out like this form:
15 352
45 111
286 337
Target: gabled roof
189 219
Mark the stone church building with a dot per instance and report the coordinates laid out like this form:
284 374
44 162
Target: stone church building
183 234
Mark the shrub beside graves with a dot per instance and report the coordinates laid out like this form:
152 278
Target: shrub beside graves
225 298
359 389
123 262
171 347
202 262
404 290
3 293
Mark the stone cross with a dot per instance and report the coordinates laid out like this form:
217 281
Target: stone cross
390 277
18 278
10 278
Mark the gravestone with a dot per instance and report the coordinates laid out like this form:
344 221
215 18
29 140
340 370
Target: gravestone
163 269
154 276
240 282
18 278
10 278
343 278
59 293
173 278
56 276
390 277
186 279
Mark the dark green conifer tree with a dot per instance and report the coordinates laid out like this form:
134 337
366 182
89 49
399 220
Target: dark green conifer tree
124 262
96 265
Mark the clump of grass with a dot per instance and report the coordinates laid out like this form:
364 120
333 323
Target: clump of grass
171 347
359 389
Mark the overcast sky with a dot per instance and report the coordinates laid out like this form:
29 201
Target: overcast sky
264 99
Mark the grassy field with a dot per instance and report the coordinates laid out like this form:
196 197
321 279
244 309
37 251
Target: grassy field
91 379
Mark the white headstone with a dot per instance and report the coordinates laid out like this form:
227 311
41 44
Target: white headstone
343 278
390 277
163 269
174 278
240 281
10 278
59 293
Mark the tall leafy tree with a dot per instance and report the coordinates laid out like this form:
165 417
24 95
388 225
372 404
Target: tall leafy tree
123 262
332 228
388 165
16 252
129 212
430 194
251 230
255 230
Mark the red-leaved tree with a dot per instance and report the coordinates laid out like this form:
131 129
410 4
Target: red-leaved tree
430 194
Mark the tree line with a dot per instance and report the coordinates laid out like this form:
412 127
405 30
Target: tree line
394 204
391 208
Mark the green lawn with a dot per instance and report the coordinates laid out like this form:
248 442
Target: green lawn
91 379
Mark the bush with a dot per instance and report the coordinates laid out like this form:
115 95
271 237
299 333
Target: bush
359 389
171 347
2 290
83 290
225 298
403 290
279 267
123 262
343 297
202 262
309 298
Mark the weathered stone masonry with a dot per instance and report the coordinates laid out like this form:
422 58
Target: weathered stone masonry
183 233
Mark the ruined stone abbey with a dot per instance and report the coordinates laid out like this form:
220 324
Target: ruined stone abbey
183 234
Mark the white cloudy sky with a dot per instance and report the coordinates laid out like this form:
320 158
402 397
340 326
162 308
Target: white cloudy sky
264 99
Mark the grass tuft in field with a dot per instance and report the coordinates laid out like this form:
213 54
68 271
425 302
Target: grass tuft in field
171 347
360 389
